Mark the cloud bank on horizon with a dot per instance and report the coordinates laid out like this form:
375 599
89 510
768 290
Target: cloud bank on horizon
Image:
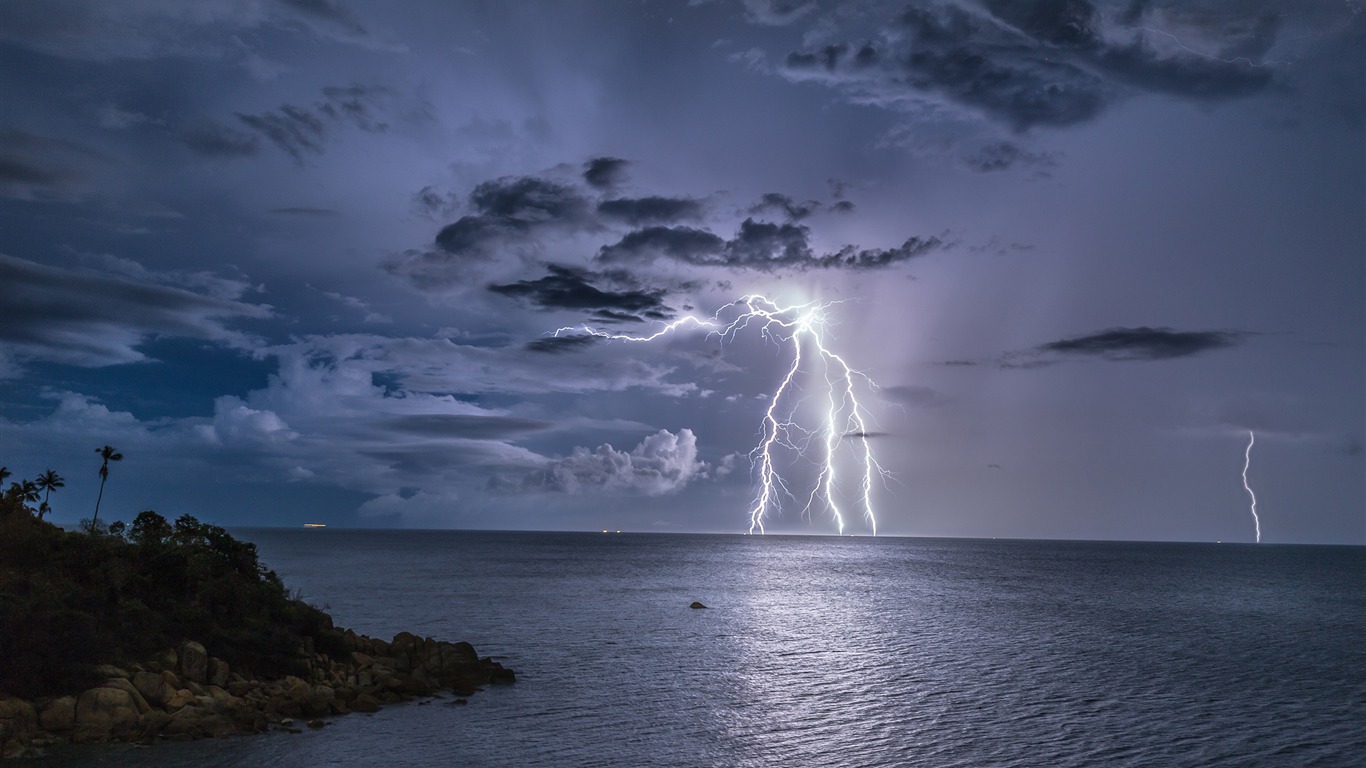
302 260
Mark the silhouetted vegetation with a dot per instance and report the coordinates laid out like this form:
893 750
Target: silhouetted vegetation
108 453
70 601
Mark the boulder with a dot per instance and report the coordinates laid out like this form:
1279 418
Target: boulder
172 679
18 726
122 684
59 715
218 672
179 699
169 660
109 670
696 604
152 723
194 662
365 703
105 713
405 642
154 687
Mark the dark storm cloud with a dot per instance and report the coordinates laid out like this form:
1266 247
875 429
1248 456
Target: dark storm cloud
686 244
914 395
527 202
789 208
1003 155
426 269
1191 77
31 163
965 58
637 211
604 172
328 13
512 209
1026 64
355 104
764 245
433 203
300 131
97 30
19 172
559 344
509 211
92 319
215 140
851 257
571 288
465 426
1060 22
294 130
517 211
1142 343
758 245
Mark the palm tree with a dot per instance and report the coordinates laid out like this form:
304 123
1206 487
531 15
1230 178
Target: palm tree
48 482
108 453
24 491
4 473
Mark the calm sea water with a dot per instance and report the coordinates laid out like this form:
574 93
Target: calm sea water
836 652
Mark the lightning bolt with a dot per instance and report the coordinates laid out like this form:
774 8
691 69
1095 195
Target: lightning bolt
670 328
803 329
1247 462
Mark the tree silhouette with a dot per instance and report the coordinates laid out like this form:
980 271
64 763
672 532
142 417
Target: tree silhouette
4 473
21 494
108 453
48 482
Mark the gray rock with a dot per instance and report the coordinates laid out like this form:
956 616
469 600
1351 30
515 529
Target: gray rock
105 713
194 662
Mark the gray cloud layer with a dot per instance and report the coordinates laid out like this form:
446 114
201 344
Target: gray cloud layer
520 212
1024 64
1143 343
90 319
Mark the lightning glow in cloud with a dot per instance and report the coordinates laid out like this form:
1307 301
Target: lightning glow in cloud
1247 462
802 328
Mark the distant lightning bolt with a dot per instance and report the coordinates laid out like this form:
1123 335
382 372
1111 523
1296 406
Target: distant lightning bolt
669 328
802 327
1247 462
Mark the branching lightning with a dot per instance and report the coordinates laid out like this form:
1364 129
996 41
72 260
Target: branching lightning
670 328
1247 462
802 328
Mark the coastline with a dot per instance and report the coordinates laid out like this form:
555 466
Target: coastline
186 694
176 631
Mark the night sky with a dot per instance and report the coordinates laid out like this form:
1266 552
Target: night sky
302 260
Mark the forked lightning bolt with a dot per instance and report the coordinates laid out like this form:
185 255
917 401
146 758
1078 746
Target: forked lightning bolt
1247 462
802 327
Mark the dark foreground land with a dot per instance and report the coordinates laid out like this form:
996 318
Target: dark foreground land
177 631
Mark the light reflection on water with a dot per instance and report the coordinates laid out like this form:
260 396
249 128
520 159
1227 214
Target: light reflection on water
837 652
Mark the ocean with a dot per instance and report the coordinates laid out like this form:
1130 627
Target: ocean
827 651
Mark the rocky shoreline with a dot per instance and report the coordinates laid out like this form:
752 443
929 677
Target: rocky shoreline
186 694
